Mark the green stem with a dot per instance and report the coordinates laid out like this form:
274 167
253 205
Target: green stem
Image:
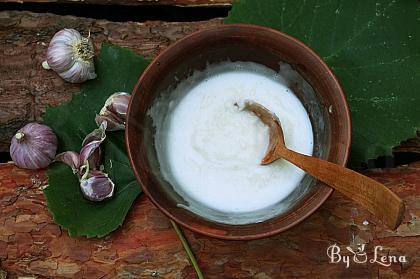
187 250
86 168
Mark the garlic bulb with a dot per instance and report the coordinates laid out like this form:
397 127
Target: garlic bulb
71 56
114 111
33 146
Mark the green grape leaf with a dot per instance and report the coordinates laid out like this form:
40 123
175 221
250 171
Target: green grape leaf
118 69
373 47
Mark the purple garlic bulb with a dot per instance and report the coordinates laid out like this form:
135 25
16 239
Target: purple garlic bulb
33 146
71 56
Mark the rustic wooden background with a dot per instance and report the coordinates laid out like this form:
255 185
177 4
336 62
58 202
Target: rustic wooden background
146 246
189 3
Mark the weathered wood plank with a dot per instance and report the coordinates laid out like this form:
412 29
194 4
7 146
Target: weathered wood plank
410 145
26 89
190 3
31 244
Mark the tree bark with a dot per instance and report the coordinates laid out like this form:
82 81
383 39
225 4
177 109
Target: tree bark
146 245
26 89
190 3
410 145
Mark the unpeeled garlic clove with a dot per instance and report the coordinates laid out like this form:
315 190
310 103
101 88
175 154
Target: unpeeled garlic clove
97 186
114 111
96 135
114 122
91 151
69 158
91 154
118 104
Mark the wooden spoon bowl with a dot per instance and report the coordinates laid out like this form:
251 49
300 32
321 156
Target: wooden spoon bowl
315 86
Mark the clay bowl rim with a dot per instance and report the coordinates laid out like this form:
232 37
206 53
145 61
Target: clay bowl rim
327 191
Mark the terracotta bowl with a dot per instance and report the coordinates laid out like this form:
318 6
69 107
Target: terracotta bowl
317 88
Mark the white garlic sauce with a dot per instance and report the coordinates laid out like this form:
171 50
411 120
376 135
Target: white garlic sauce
209 150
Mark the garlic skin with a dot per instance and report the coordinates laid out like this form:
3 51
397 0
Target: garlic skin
114 111
89 154
114 122
96 186
71 56
33 146
118 104
69 158
97 134
91 151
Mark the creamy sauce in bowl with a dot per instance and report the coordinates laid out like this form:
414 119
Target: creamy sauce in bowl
209 150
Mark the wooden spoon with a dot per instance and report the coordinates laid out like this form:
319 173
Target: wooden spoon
372 195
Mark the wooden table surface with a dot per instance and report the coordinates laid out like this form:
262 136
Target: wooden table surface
146 245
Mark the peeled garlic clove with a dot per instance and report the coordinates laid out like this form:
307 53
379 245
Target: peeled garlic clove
97 186
69 158
71 56
33 146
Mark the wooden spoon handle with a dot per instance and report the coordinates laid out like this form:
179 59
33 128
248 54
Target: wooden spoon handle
372 195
